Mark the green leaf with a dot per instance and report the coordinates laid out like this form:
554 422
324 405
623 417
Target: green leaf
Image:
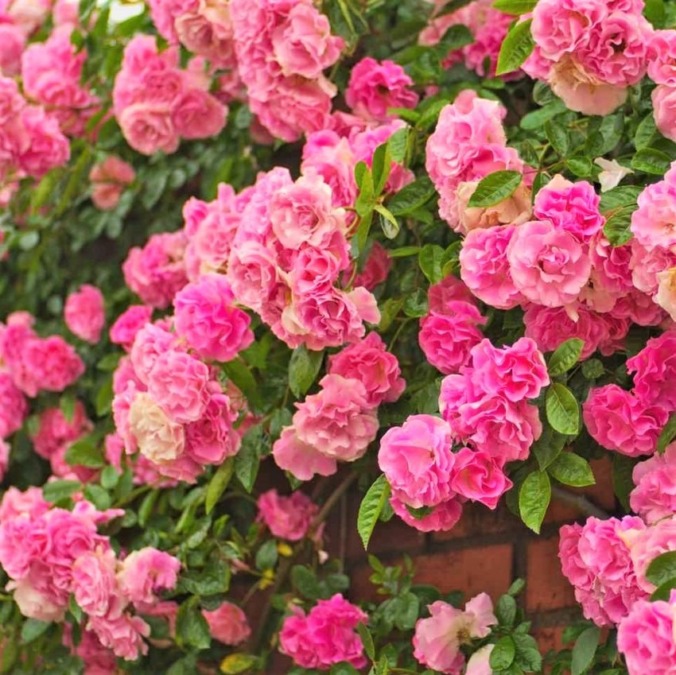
571 469
266 556
67 405
397 143
624 195
85 452
505 610
662 569
431 260
565 356
515 48
655 12
646 132
247 460
367 640
218 483
516 7
563 412
548 447
305 582
495 188
623 483
534 497
366 198
416 304
57 490
663 592
32 629
303 368
617 225
371 507
503 653
537 118
557 136
667 434
98 496
584 650
380 167
109 477
192 628
651 161
241 376
580 166
412 197
592 369
404 252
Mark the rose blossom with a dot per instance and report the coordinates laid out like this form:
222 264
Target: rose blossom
652 222
84 313
548 265
159 438
417 460
299 458
325 636
94 583
127 325
478 477
369 362
654 494
109 179
227 624
440 518
286 517
338 420
438 639
654 371
147 571
374 87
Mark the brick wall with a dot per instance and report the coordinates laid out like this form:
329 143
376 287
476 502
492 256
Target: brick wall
486 551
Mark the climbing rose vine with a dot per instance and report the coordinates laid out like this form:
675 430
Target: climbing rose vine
262 256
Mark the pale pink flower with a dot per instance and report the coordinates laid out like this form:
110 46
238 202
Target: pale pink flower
227 623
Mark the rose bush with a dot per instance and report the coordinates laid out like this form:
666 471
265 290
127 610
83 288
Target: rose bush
257 254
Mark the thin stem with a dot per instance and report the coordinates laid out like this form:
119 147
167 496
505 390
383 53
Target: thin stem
579 502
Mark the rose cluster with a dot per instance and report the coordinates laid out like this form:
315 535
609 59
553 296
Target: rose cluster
339 422
156 103
484 409
282 48
589 52
51 72
31 139
487 25
630 422
169 406
51 554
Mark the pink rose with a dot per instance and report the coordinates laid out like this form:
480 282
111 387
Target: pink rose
94 583
286 517
619 421
369 362
302 44
197 114
11 100
376 267
573 207
417 460
128 324
478 477
13 406
438 639
441 295
207 319
548 265
517 372
440 518
147 571
338 420
654 371
148 127
651 221
447 339
84 313
109 179
479 662
654 494
12 45
325 636
212 438
47 148
646 637
159 438
301 459
227 624
123 635
375 87
666 292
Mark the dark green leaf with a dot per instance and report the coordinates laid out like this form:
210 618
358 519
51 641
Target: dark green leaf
32 629
623 484
580 166
247 460
303 368
534 497
617 225
416 304
662 569
57 490
191 627
563 412
241 376
516 47
505 610
431 260
266 556
412 197
367 640
651 161
584 650
370 508
495 188
667 434
537 118
85 452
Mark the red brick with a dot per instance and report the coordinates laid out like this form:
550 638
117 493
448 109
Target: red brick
478 521
550 637
546 587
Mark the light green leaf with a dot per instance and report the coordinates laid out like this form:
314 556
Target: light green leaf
495 188
371 507
565 356
303 368
584 650
516 47
571 469
534 497
218 483
563 411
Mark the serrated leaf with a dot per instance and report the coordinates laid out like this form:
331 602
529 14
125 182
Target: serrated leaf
650 160
516 47
616 229
218 483
371 507
534 497
565 356
247 460
431 260
571 469
411 197
503 653
494 188
367 640
563 411
584 650
57 490
192 628
303 368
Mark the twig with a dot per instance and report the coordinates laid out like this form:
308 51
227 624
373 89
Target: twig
579 502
